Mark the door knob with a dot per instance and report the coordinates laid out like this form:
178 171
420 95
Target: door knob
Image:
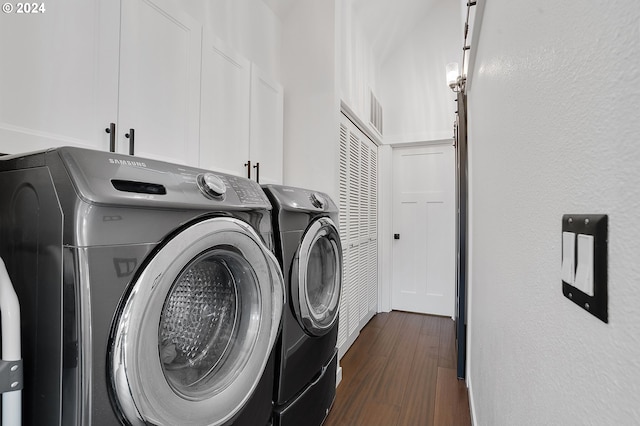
396 236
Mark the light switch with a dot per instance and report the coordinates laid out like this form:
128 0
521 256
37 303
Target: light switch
584 273
585 238
568 257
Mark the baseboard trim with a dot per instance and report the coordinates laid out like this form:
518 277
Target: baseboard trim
472 404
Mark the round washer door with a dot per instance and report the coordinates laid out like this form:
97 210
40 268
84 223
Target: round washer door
192 339
316 277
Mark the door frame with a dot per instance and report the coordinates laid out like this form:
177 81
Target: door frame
462 200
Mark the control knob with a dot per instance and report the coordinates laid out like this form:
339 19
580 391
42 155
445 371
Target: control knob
211 185
317 200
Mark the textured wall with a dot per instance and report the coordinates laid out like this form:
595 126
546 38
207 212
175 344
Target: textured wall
554 128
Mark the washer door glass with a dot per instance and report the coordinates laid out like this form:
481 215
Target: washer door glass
317 277
204 319
196 331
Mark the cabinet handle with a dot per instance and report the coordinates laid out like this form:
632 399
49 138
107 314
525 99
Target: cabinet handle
132 140
112 136
248 166
257 167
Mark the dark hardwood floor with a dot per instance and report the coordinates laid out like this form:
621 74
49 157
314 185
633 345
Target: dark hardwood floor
401 371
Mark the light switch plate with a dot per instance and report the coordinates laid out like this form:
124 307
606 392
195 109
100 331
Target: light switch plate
596 226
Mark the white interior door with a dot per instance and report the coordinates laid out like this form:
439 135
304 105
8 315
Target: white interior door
160 81
424 220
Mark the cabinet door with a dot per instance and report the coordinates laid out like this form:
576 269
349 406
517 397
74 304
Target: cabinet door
159 81
58 78
265 145
224 113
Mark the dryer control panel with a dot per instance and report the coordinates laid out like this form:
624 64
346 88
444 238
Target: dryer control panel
300 199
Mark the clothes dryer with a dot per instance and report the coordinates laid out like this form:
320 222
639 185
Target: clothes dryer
148 291
308 247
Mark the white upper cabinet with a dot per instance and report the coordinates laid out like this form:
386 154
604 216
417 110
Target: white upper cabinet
59 76
69 72
266 143
159 81
225 108
241 116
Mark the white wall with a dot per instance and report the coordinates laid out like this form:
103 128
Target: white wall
359 66
311 102
249 27
418 104
553 129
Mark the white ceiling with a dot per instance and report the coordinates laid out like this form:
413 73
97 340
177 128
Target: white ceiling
386 23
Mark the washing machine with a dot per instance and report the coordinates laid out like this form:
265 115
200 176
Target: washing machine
310 254
149 292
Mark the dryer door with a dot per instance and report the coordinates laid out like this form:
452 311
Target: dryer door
316 277
193 335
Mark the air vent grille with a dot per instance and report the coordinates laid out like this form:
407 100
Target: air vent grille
375 116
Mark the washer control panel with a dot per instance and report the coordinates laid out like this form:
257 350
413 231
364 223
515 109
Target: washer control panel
110 178
211 185
248 191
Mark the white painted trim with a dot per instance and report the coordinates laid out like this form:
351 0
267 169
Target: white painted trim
385 226
446 141
472 404
411 138
364 128
469 301
338 375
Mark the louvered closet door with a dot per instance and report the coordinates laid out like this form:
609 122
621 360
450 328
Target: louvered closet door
343 326
358 229
373 233
353 235
364 243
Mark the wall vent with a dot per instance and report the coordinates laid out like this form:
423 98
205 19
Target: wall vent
375 115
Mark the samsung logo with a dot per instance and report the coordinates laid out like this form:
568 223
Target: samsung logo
127 162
